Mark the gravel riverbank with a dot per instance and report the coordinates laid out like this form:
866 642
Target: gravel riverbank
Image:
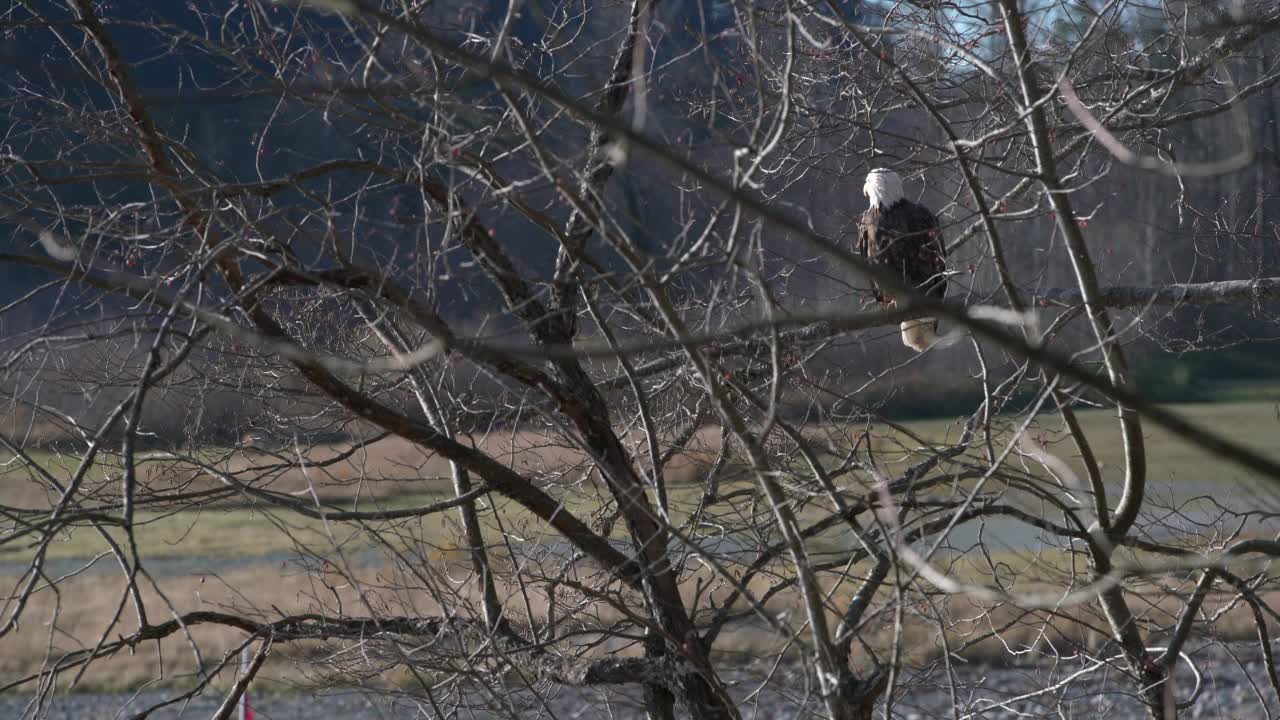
1230 690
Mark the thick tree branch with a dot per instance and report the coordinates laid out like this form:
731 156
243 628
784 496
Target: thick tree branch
1222 292
600 166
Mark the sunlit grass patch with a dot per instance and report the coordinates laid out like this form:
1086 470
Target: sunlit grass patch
242 527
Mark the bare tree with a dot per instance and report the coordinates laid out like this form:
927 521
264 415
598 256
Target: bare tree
534 335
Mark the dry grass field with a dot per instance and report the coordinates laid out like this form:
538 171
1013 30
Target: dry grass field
391 473
975 632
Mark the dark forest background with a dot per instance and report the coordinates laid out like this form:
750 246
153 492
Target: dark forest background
1144 228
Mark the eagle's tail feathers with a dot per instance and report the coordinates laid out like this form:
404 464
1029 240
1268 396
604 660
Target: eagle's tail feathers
922 333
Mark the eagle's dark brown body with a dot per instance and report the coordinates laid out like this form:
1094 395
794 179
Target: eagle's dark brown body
905 238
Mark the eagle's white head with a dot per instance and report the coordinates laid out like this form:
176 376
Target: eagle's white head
883 187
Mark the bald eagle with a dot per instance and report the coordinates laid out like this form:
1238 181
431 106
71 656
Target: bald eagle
904 237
